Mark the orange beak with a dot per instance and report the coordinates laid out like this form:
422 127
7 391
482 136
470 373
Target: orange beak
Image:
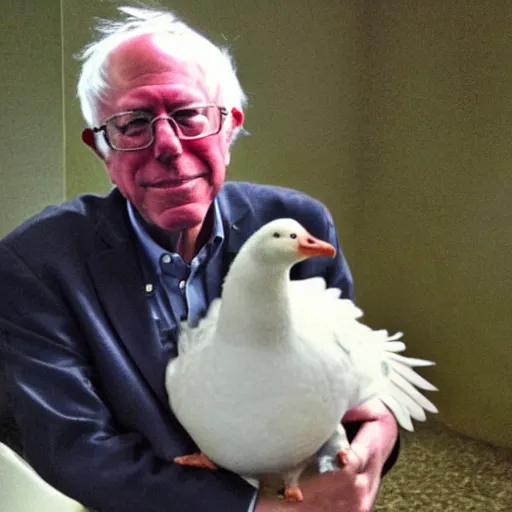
310 246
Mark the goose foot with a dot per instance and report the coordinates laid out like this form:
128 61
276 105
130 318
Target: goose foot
334 453
343 457
293 495
292 492
196 460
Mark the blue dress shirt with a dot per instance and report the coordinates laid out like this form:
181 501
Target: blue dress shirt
176 288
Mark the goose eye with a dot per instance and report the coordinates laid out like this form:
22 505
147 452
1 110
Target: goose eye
276 235
293 235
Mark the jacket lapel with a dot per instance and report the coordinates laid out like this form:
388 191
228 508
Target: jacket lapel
118 279
239 223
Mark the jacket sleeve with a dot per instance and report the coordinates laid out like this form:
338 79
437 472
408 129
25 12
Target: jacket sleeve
338 273
68 433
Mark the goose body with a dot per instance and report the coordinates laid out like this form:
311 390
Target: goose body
263 381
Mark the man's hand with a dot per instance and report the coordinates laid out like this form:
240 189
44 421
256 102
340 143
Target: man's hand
337 491
353 488
370 449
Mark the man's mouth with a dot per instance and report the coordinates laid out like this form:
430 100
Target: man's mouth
174 182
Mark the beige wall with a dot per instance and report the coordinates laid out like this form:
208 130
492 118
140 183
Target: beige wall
435 251
398 118
31 171
435 222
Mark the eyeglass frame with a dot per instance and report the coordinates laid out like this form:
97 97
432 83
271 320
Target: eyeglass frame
223 111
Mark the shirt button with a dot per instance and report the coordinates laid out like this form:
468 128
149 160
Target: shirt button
166 258
182 285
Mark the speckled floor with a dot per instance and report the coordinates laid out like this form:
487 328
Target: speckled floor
440 470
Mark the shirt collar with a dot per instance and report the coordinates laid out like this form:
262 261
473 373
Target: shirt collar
154 251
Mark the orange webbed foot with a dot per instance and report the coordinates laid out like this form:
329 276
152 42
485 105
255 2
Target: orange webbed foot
196 460
343 457
293 495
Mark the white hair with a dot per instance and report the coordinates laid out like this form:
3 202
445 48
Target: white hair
215 62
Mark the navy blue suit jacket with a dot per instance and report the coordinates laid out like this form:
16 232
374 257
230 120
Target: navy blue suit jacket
85 363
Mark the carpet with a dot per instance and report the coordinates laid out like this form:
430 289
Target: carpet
442 470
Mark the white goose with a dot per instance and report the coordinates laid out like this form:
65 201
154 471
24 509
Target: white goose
261 384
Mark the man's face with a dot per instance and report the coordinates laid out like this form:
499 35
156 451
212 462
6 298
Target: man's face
173 182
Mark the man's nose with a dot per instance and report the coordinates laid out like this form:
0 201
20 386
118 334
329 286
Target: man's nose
166 144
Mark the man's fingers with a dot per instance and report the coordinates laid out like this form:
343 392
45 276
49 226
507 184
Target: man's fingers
357 458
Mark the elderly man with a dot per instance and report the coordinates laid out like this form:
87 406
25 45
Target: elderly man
93 289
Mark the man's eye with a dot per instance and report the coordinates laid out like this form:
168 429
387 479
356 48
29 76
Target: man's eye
192 121
133 126
187 116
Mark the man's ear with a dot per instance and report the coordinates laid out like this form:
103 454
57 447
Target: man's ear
238 118
237 121
89 139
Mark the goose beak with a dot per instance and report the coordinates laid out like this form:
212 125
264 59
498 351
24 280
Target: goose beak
310 246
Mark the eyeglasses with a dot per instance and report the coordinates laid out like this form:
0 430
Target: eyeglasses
134 130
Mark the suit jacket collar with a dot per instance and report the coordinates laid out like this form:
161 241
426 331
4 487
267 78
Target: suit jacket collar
113 225
238 215
118 277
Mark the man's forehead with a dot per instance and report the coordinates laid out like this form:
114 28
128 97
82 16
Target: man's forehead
151 55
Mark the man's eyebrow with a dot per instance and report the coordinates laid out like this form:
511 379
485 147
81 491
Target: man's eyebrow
145 112
150 100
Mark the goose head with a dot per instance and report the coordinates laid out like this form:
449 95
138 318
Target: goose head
284 242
